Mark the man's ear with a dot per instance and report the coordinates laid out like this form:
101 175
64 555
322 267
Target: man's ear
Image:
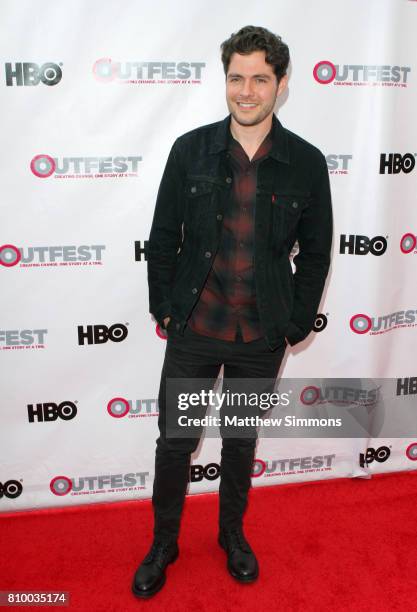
283 84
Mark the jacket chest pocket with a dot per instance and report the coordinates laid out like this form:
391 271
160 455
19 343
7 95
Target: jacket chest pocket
198 201
286 213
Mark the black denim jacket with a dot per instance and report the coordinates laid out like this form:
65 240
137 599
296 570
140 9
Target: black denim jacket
292 203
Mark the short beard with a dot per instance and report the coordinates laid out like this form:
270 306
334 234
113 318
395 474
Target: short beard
255 121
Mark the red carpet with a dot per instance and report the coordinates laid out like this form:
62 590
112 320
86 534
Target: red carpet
327 546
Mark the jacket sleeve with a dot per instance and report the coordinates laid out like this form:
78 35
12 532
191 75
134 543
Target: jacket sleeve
165 236
312 263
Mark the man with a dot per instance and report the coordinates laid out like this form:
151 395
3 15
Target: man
234 198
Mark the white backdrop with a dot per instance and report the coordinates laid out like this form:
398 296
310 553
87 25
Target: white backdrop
93 96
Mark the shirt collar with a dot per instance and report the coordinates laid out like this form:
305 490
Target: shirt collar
279 149
237 151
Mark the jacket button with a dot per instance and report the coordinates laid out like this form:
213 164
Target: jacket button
219 217
177 326
194 290
207 254
228 180
295 204
193 189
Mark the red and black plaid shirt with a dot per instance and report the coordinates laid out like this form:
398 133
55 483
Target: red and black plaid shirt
228 298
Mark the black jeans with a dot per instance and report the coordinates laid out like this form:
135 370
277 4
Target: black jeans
195 356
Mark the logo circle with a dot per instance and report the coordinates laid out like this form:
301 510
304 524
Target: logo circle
117 332
9 255
310 395
320 323
212 471
162 334
11 489
382 454
51 74
258 468
60 485
67 410
324 72
42 165
411 451
408 163
408 243
118 407
378 245
104 70
360 323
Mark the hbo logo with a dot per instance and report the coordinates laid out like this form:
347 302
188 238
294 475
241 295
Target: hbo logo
211 471
362 245
380 455
99 334
10 489
30 74
50 411
394 163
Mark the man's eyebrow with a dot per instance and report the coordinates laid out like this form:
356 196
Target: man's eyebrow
254 76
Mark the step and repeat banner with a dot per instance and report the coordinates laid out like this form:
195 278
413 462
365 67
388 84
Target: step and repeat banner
93 95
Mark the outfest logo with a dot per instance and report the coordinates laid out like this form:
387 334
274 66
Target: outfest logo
161 332
363 324
411 451
339 395
408 243
326 72
338 163
51 256
91 485
117 166
119 407
107 70
21 339
294 465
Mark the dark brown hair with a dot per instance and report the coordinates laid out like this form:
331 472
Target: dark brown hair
253 38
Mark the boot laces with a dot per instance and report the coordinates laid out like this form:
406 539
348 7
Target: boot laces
158 553
236 540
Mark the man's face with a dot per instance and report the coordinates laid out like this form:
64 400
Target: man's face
252 88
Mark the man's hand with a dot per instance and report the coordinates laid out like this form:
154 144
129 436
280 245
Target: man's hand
166 321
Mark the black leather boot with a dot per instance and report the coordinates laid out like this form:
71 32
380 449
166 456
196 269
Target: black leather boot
150 575
241 560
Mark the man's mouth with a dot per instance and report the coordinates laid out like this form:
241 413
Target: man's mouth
246 104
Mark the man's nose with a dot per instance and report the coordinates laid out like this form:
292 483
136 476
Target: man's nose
247 88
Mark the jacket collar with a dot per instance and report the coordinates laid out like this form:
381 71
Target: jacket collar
279 149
